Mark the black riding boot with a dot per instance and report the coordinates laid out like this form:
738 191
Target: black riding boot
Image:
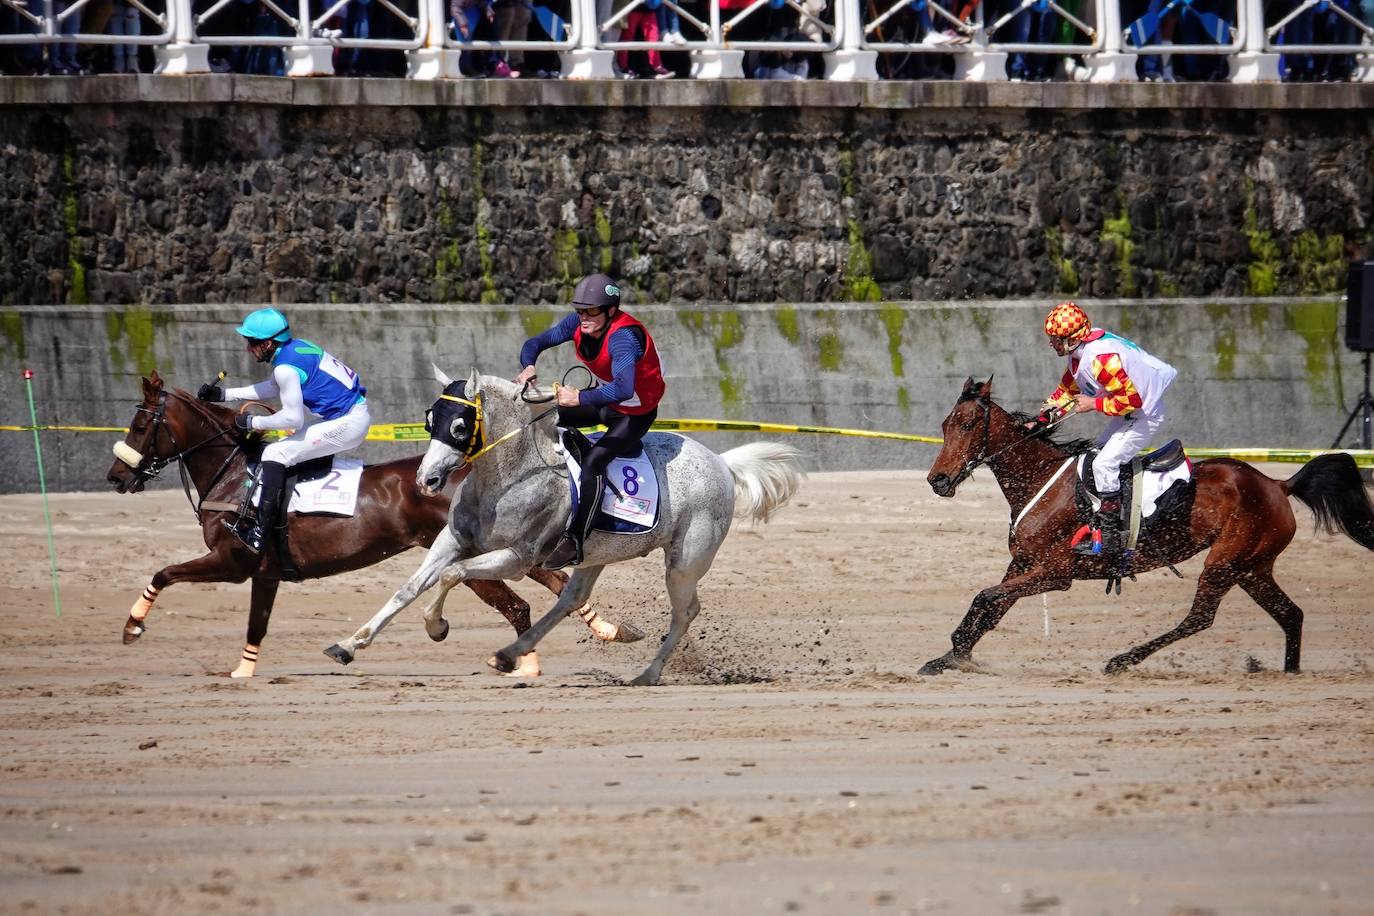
1106 524
1109 521
273 478
568 550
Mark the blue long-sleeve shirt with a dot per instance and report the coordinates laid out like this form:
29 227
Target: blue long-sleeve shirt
626 350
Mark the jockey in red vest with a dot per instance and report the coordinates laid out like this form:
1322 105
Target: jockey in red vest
622 357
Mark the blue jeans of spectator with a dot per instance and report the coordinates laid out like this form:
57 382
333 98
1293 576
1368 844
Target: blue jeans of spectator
357 24
1320 24
62 57
266 60
125 21
1152 65
668 20
27 57
1034 24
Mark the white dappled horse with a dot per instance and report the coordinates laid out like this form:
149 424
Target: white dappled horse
510 511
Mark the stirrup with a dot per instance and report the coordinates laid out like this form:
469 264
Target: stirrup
567 552
250 536
1088 543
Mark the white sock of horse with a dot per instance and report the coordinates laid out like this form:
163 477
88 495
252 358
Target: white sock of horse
248 664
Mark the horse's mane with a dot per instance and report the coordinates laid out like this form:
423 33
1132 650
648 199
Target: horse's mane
1019 420
221 417
1067 446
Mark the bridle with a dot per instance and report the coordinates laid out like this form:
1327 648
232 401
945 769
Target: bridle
972 464
475 447
150 466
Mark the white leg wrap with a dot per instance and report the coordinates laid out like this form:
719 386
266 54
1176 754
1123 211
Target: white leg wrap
528 667
144 604
248 664
602 629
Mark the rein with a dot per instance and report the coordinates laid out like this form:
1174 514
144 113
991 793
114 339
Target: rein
475 447
972 464
154 466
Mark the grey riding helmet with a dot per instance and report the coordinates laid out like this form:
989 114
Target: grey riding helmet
596 290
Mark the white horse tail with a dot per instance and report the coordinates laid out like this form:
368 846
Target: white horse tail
766 474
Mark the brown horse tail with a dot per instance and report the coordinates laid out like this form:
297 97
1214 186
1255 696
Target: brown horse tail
1331 487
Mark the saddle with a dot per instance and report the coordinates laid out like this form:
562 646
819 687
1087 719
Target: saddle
247 510
1167 490
1161 460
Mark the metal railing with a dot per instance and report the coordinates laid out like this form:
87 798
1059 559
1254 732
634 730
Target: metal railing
1345 19
48 24
849 34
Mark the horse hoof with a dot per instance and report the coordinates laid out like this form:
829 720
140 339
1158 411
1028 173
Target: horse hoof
644 681
628 632
502 662
440 633
339 654
133 629
1118 665
934 666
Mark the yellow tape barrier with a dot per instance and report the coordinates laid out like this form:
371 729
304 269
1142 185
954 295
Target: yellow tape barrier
415 432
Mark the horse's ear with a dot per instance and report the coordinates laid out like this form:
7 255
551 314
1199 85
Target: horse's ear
968 385
473 386
152 385
440 376
985 389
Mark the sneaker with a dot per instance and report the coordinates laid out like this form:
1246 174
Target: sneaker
663 73
502 70
674 38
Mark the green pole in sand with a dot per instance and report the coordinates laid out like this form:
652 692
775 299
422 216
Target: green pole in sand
43 488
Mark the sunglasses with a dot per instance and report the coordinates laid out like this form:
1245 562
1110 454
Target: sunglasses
589 312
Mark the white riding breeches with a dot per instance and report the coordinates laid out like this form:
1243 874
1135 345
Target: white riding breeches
327 437
1123 439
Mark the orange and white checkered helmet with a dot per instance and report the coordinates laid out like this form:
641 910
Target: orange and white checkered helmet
1067 320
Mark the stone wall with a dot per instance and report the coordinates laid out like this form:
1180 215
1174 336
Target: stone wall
1253 372
164 190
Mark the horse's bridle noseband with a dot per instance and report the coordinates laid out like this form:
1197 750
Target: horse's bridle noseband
150 466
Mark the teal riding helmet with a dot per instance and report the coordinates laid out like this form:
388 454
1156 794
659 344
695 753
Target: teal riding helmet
265 324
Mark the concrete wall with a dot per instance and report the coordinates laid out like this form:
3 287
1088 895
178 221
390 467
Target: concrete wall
1253 372
223 189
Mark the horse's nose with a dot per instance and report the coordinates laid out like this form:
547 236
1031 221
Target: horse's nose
115 481
940 484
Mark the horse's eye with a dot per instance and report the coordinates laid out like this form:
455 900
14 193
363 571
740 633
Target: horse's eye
968 427
457 428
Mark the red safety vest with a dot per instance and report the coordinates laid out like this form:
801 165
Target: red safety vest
649 385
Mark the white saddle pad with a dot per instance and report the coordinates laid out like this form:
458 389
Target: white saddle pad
1154 485
637 482
335 493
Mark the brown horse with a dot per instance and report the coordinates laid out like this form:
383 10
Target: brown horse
1240 516
391 516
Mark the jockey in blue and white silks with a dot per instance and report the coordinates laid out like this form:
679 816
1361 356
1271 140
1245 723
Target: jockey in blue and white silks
309 382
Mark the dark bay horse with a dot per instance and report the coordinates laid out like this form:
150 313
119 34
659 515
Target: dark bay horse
392 515
1240 516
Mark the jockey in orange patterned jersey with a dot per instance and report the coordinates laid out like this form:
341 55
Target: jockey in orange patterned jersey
1111 375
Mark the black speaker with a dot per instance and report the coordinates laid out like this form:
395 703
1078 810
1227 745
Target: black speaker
1359 306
